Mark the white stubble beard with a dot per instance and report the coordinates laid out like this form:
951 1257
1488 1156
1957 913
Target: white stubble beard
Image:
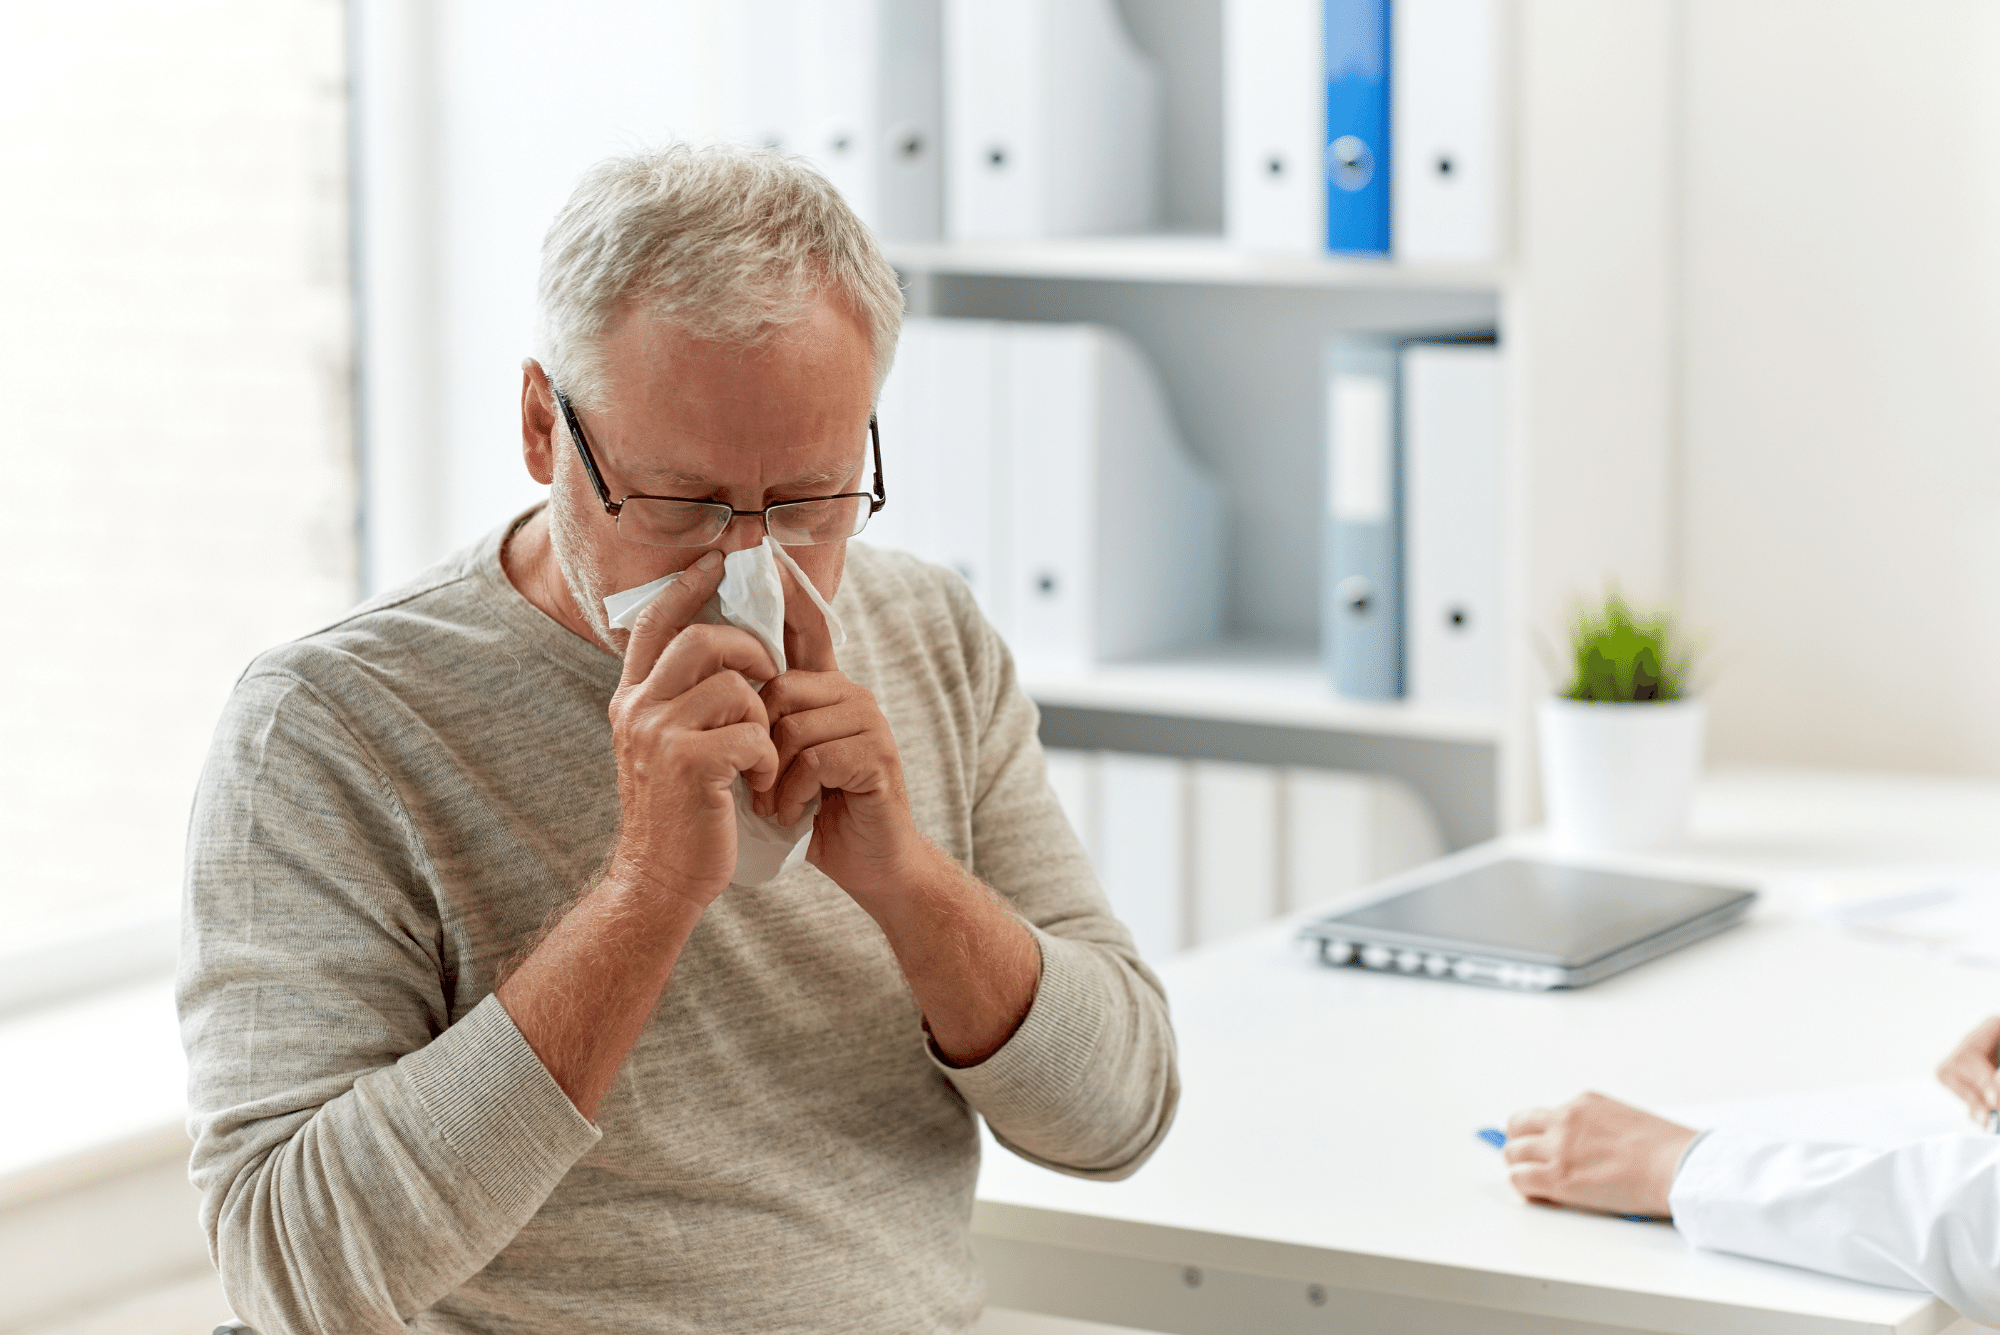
581 573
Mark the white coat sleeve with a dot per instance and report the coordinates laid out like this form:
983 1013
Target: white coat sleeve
1923 1216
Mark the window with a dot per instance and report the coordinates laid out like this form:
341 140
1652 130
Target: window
179 483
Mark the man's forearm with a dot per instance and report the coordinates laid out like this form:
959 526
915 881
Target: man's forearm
969 958
584 994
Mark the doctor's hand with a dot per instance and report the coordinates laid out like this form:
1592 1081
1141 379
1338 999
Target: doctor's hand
685 721
833 742
1596 1153
1969 1071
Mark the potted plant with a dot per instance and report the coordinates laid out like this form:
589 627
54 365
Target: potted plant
1621 745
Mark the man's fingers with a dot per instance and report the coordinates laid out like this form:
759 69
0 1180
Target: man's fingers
1525 1149
747 749
808 642
719 755
797 690
851 763
793 733
719 702
698 653
672 612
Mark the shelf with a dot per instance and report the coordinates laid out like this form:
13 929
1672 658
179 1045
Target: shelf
1175 259
1269 705
1249 683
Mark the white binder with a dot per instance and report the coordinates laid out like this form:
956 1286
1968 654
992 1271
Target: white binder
1274 124
969 506
1050 374
1051 121
1116 535
870 109
1041 462
1325 822
1344 832
902 409
1456 624
1233 854
1447 157
941 415
1073 779
1139 822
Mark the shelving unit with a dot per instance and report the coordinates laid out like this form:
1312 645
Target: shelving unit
1195 305
1272 704
1253 682
1174 259
1583 303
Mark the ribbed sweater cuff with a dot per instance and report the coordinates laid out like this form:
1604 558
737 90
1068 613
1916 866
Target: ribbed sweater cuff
498 1107
1035 1073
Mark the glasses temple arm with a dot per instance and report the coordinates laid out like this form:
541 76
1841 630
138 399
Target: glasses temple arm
583 451
875 441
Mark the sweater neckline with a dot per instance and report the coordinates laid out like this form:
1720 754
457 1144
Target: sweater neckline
547 636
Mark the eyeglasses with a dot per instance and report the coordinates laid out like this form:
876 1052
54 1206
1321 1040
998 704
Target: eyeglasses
677 521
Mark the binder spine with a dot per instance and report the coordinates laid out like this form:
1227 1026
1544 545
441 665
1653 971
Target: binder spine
1445 117
1456 625
1274 125
1361 617
910 131
1357 126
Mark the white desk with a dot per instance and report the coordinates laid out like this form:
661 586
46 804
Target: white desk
1323 1174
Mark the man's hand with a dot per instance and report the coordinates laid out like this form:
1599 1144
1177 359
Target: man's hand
833 742
970 960
1596 1153
685 722
1969 1071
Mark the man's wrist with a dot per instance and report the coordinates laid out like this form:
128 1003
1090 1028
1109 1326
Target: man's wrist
666 899
918 868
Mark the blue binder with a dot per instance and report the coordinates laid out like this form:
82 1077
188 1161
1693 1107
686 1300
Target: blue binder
1357 126
1361 571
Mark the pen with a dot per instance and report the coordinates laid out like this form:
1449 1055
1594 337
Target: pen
1993 1122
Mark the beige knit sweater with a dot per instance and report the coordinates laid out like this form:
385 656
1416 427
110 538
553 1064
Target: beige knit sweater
391 809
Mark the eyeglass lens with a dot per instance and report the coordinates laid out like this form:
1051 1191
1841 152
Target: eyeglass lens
658 523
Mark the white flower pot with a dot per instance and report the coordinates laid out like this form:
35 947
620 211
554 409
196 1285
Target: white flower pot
1619 778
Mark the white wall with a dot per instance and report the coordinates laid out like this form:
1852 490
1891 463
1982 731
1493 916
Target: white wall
1761 306
1840 364
520 97
1589 329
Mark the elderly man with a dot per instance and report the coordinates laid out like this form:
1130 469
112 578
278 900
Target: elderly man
481 1036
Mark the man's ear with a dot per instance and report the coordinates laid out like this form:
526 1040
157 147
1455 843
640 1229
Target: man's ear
538 422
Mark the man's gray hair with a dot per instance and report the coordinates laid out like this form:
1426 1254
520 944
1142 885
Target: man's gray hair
723 243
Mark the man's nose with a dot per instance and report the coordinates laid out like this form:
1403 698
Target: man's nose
744 531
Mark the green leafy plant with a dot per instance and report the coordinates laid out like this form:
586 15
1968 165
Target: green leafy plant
1625 654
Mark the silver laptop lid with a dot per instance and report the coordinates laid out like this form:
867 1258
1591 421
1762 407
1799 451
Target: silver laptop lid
1534 912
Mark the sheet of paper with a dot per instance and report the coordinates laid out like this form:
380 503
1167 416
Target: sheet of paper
1879 1116
1955 915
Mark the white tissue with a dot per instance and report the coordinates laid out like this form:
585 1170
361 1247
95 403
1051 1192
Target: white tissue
751 597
